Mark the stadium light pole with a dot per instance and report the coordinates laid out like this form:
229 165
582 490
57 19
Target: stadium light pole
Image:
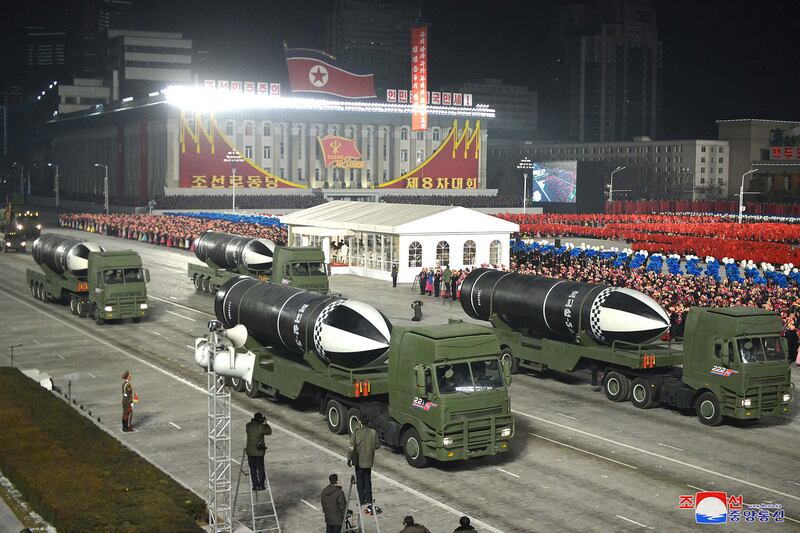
611 184
55 182
741 192
525 165
105 183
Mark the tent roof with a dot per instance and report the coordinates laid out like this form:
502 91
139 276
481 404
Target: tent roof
398 218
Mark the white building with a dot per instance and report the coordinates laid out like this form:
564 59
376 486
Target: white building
148 61
84 93
376 236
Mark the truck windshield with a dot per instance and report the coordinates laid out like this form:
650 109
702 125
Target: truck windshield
469 377
761 349
308 269
115 276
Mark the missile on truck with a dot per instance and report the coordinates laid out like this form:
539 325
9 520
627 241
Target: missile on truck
227 256
94 282
731 362
436 392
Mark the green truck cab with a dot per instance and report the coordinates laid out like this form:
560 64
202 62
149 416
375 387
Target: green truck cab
731 362
301 267
18 227
441 394
104 285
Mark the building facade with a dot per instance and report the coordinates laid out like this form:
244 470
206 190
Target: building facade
685 169
148 61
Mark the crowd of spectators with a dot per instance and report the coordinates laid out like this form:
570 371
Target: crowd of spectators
702 206
463 201
675 291
174 231
269 202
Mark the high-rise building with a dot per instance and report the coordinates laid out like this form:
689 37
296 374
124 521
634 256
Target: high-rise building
515 106
45 56
607 57
145 61
87 23
375 36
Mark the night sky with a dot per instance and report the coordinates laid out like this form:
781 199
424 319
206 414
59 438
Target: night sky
722 59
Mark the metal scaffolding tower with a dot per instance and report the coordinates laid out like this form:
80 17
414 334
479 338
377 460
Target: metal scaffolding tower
220 516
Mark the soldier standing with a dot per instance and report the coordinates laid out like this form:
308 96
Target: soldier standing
127 402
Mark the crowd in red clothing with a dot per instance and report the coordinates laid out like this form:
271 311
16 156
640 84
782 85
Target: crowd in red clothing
700 235
165 230
675 293
702 206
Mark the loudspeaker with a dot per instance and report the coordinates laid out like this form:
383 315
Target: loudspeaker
227 362
237 335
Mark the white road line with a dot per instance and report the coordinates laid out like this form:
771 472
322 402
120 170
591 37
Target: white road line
507 472
156 333
173 424
695 488
180 305
304 440
584 451
235 461
91 375
567 416
793 483
172 298
190 347
61 356
791 519
632 521
180 315
35 341
313 507
653 454
668 446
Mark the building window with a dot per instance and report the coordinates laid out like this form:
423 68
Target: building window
281 150
267 152
469 253
442 253
702 159
282 172
385 175
720 170
316 173
368 148
404 155
267 129
385 148
352 174
495 252
720 160
720 181
229 128
299 174
703 149
369 175
436 134
420 155
403 134
721 150
702 181
420 135
702 170
248 152
248 128
415 256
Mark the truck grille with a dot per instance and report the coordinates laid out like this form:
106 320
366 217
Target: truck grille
767 380
477 413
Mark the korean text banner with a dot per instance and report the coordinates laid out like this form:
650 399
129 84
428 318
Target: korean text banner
419 78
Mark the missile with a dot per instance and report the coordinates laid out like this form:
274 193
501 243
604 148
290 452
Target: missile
563 309
235 252
64 254
338 331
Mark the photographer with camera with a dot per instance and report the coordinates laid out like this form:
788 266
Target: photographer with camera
256 429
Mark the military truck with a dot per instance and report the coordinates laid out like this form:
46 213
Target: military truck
731 362
93 282
18 227
435 392
228 256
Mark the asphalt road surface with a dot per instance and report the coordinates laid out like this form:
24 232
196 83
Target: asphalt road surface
577 462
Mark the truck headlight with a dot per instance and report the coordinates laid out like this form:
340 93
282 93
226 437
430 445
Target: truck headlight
787 397
107 309
19 226
747 402
447 441
142 306
23 243
8 243
38 226
505 432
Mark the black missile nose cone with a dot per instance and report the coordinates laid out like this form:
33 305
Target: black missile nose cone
620 314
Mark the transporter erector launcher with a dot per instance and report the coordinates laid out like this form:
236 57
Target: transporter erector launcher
63 254
234 252
563 309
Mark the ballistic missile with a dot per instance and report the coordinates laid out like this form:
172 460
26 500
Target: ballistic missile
338 331
63 254
563 309
234 252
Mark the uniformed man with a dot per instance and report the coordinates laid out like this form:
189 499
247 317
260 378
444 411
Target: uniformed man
412 527
363 443
256 429
127 401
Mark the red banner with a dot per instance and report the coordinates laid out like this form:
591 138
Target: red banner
454 165
419 78
202 161
340 152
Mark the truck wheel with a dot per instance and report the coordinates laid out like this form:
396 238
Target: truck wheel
237 384
617 386
251 389
33 290
97 318
412 449
507 355
136 319
204 284
642 394
709 411
335 417
197 282
353 419
212 287
83 308
73 305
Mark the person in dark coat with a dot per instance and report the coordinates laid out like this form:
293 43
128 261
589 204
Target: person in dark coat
464 525
333 505
363 443
394 275
256 429
437 283
127 402
423 280
413 527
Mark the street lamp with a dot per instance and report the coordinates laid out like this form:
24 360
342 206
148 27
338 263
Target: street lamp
611 185
55 182
525 165
105 183
742 193
12 346
233 157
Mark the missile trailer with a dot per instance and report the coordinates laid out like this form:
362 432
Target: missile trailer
93 282
731 362
435 392
228 256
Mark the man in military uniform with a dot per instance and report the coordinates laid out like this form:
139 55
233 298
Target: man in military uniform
256 429
127 401
363 443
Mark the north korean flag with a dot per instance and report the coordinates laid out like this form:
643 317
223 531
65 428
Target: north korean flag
312 71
